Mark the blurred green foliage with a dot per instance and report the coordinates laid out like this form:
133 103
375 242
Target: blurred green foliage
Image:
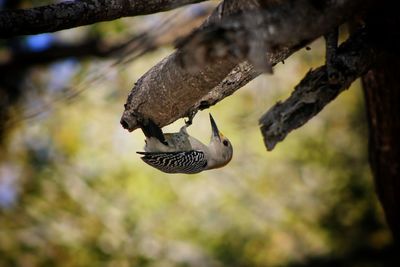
80 196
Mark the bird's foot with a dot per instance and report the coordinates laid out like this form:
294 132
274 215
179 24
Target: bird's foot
190 117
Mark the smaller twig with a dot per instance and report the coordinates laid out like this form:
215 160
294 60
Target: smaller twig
70 14
331 41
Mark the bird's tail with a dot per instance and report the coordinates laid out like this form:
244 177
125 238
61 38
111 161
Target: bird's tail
150 129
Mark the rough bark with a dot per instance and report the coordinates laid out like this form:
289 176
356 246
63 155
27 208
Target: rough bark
382 96
167 91
381 89
314 92
246 35
70 14
171 89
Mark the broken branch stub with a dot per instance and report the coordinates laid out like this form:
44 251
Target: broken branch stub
314 92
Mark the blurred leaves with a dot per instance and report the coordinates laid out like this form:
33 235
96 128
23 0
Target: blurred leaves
82 197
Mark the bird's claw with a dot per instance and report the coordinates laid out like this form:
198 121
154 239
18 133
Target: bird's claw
190 117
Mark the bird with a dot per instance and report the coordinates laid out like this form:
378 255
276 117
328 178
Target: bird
181 153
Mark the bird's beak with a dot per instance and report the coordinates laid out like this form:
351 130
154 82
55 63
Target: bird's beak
215 131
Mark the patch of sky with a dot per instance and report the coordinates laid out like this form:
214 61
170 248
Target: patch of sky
40 42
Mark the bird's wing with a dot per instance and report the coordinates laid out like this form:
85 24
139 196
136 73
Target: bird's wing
192 161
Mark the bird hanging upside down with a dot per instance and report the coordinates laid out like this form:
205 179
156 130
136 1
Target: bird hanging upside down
182 153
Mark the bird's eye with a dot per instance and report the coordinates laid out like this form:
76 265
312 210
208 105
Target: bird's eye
225 143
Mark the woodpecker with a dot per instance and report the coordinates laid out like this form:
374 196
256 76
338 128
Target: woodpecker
181 153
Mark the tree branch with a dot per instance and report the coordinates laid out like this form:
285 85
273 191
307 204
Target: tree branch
168 91
314 92
247 36
382 97
175 87
72 14
127 50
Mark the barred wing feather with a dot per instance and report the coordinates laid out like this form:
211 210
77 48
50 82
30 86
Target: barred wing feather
192 161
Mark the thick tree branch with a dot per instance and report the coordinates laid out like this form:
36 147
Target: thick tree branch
249 35
174 88
72 14
382 95
381 86
168 91
314 92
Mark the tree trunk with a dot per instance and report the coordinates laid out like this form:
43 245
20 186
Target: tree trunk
382 93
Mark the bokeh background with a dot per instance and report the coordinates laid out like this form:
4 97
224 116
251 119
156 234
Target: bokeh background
73 192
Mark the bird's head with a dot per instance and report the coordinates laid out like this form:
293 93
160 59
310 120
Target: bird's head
220 146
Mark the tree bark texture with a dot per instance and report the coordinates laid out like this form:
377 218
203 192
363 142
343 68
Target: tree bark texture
382 94
171 89
70 14
247 34
168 90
